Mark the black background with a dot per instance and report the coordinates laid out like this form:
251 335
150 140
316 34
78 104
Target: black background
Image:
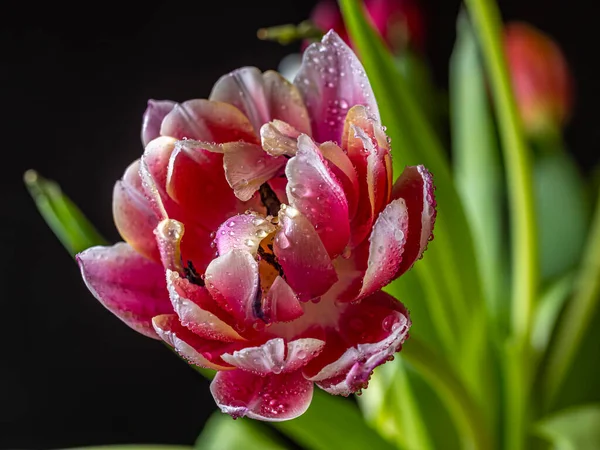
74 84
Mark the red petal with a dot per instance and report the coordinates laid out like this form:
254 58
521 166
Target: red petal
242 232
281 303
127 284
315 192
415 186
342 168
272 398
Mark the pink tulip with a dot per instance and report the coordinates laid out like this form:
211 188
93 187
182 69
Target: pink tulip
398 22
261 225
541 78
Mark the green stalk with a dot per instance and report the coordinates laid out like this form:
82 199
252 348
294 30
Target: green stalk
578 314
525 271
467 416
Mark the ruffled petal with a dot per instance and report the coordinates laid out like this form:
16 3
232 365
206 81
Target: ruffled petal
314 191
415 186
196 181
368 334
272 357
332 80
280 304
303 257
153 117
242 232
387 243
209 121
232 280
279 138
133 214
198 311
191 347
127 284
248 166
272 398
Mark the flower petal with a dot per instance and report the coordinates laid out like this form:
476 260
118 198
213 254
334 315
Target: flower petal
331 81
248 166
285 102
193 348
280 304
154 166
242 232
387 244
153 117
232 280
209 121
415 186
127 284
198 311
273 398
314 191
278 138
342 168
134 217
368 334
272 357
303 257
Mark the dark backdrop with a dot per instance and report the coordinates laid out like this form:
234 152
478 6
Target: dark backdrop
74 85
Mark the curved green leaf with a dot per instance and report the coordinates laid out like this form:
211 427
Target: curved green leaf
575 428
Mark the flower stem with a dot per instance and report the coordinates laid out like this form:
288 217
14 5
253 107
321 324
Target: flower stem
578 314
468 418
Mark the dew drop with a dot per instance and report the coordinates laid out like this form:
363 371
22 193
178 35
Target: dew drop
388 323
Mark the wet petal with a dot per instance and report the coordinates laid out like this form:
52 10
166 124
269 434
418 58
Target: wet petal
303 257
332 80
415 186
280 304
272 398
368 334
198 311
153 117
387 244
285 102
127 284
248 166
314 191
242 232
272 357
232 280
193 348
133 214
208 121
154 166
342 168
196 181
278 138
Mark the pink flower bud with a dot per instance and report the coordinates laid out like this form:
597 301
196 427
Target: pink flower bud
540 76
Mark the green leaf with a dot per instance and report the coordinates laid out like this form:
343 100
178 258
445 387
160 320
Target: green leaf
575 428
221 432
67 222
477 165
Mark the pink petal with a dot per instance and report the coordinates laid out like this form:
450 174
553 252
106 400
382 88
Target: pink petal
280 304
272 357
193 348
196 181
368 334
316 193
278 138
134 217
208 121
242 232
198 311
232 280
262 97
248 166
342 168
303 257
272 398
127 284
153 173
415 186
387 244
332 80
153 117
279 186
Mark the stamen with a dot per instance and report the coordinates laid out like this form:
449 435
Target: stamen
269 199
270 258
192 275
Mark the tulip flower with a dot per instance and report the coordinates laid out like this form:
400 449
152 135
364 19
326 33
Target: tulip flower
260 226
541 78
